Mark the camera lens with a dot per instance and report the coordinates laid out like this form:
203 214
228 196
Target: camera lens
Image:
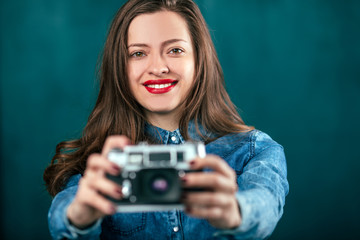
159 184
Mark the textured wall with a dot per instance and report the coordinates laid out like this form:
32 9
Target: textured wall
292 68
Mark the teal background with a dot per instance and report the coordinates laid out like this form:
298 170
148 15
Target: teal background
292 68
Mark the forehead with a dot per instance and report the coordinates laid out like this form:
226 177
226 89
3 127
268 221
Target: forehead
157 27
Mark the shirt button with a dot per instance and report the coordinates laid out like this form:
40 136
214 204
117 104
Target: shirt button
176 229
173 138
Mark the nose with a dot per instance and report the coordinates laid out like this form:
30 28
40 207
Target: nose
158 65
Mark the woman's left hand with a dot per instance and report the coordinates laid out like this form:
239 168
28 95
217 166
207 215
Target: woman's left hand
217 203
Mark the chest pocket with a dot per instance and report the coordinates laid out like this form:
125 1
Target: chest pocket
126 224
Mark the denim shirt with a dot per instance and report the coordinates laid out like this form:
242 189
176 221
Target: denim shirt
260 166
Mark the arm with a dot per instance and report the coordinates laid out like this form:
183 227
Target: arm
262 187
262 190
76 212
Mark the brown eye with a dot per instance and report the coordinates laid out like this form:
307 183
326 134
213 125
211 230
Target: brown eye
137 54
176 51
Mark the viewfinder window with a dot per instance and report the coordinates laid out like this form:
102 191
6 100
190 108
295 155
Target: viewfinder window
161 156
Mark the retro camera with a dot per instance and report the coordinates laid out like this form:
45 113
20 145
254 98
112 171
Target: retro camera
150 176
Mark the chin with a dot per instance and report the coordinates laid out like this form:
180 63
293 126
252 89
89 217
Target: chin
163 110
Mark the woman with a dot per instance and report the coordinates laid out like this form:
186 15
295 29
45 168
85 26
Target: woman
161 82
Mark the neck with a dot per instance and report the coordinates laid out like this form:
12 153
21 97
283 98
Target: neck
167 121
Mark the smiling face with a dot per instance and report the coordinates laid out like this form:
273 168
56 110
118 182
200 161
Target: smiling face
160 65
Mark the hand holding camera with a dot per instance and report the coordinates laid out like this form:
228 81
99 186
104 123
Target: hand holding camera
153 178
218 203
90 203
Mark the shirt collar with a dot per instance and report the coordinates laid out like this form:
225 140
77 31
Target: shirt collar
174 137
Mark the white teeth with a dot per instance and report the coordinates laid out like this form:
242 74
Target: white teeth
159 85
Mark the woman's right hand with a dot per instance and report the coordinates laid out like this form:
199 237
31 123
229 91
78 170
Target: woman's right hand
90 202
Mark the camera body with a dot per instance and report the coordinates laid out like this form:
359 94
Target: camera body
150 176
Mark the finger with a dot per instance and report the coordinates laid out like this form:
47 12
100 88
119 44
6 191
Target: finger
207 199
97 162
115 141
99 183
216 163
98 201
209 180
105 186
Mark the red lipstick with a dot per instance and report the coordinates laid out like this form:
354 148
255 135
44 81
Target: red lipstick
160 86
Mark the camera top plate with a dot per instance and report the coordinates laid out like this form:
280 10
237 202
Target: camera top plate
143 155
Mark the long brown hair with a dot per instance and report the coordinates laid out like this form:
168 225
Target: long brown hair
117 112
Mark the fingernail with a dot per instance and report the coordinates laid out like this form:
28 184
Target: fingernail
183 180
116 168
188 209
192 163
112 210
119 192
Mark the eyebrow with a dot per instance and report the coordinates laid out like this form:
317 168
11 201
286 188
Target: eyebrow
167 42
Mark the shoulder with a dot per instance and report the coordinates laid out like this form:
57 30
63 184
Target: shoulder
262 143
239 148
254 141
